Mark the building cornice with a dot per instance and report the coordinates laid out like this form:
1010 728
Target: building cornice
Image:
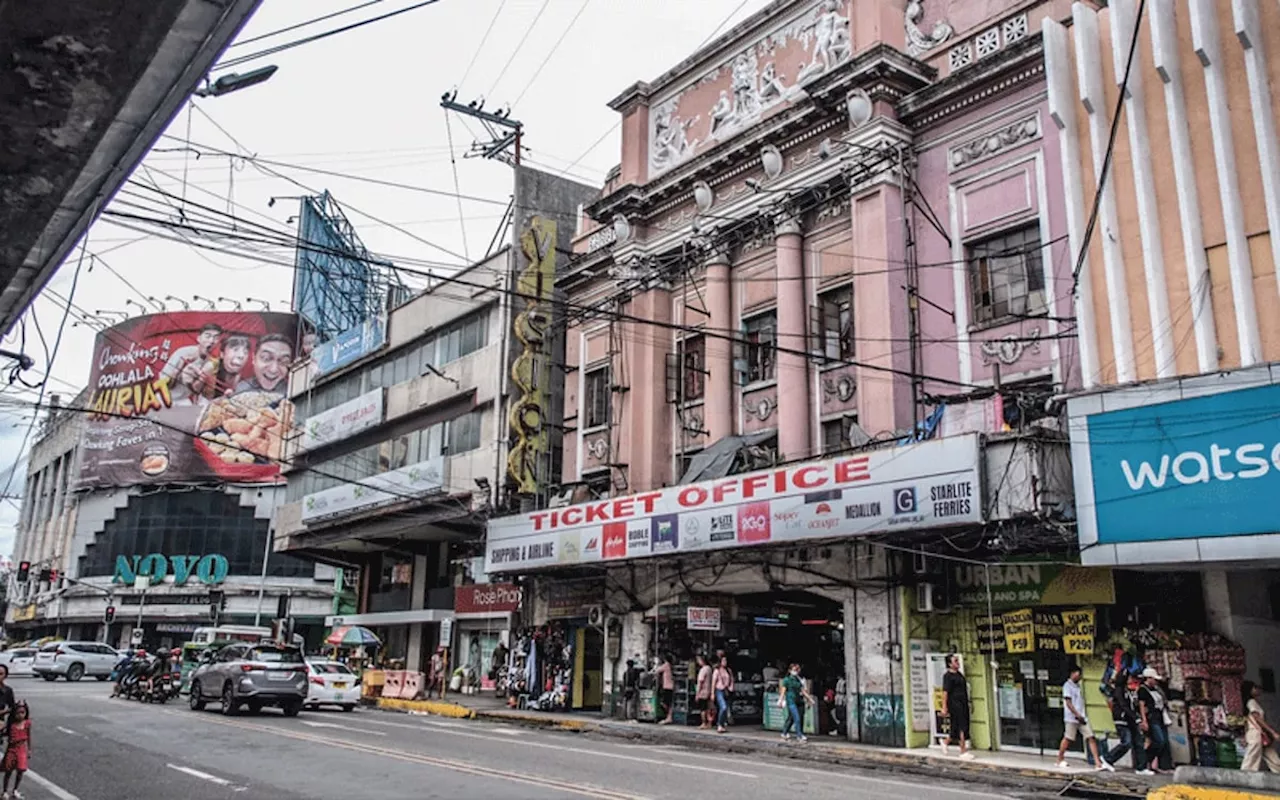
1012 67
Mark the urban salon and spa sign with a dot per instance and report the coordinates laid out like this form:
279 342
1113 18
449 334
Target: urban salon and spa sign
924 485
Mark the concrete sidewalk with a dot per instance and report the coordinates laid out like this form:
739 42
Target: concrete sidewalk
1013 769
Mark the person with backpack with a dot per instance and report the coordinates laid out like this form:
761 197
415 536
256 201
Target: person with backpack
1127 715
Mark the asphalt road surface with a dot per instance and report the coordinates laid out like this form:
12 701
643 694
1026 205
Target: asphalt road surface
90 747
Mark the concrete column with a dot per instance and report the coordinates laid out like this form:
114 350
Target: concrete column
417 599
719 418
1217 602
794 409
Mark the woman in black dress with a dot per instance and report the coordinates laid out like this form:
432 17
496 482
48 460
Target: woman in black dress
955 706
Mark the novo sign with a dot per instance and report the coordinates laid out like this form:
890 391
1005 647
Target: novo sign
486 598
406 483
209 569
1191 468
342 421
923 485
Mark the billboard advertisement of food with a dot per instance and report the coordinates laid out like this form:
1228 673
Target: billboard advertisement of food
189 396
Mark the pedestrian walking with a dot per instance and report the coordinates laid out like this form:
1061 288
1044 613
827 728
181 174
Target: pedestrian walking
955 706
705 695
1259 737
6 694
793 696
1076 722
436 679
666 688
18 732
722 684
631 688
1155 721
1128 719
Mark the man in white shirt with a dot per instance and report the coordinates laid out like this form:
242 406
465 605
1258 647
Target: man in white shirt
1076 722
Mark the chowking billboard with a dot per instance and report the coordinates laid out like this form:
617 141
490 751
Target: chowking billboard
189 396
924 485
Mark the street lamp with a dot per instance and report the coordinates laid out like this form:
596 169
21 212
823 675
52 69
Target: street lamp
235 82
185 305
131 302
235 303
265 305
212 306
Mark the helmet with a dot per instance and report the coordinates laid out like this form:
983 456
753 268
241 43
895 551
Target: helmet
140 652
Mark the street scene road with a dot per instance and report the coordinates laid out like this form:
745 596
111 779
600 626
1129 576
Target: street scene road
91 747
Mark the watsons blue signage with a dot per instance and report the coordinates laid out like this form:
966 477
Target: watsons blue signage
350 345
1196 468
210 569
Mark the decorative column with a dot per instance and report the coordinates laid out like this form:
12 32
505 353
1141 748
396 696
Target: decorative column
794 408
718 415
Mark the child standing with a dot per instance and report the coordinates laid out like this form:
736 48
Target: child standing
15 757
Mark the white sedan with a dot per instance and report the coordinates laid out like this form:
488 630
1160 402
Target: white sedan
18 660
331 683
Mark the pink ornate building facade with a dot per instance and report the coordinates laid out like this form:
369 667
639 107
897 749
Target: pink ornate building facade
824 224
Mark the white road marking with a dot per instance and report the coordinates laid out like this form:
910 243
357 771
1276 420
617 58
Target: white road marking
507 731
201 775
579 750
342 727
50 787
68 731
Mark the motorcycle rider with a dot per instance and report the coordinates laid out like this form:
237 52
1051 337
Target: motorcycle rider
122 669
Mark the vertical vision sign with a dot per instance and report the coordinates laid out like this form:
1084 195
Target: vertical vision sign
531 371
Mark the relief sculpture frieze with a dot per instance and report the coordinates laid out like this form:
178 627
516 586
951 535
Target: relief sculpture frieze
762 77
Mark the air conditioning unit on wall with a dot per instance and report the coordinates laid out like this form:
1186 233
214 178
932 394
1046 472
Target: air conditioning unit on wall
595 616
930 598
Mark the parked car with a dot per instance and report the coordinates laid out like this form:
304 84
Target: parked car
253 675
74 660
19 660
332 683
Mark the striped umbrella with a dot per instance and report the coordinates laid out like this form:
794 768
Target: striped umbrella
352 636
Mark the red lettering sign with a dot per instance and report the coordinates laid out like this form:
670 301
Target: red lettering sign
753 523
486 598
615 540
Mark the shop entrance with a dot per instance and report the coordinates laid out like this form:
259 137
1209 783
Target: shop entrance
1029 687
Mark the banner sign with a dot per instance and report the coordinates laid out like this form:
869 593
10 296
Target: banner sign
189 396
1193 468
703 619
416 480
350 345
343 421
1018 585
924 485
486 598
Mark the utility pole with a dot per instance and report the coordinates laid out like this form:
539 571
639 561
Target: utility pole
505 132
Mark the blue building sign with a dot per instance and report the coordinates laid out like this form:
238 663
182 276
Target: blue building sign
351 345
1195 468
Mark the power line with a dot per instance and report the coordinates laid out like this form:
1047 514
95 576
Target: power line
303 24
554 48
1111 146
237 61
518 47
480 47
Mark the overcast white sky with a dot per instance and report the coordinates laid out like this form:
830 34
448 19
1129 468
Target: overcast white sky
366 103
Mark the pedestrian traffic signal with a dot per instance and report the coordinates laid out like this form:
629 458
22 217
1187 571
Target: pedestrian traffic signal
24 571
110 615
44 574
53 577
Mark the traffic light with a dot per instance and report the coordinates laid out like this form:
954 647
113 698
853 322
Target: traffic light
282 607
217 602
110 615
24 571
44 574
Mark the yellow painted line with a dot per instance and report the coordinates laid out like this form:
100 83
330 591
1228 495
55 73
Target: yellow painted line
1175 791
437 707
418 758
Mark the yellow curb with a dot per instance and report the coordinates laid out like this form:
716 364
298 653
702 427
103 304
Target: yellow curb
437 707
539 721
1183 792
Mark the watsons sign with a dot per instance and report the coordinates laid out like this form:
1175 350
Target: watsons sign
210 569
1192 468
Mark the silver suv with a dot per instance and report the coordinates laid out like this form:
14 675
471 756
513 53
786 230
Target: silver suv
253 675
74 660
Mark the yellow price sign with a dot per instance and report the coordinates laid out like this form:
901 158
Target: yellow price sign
1078 631
1019 631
